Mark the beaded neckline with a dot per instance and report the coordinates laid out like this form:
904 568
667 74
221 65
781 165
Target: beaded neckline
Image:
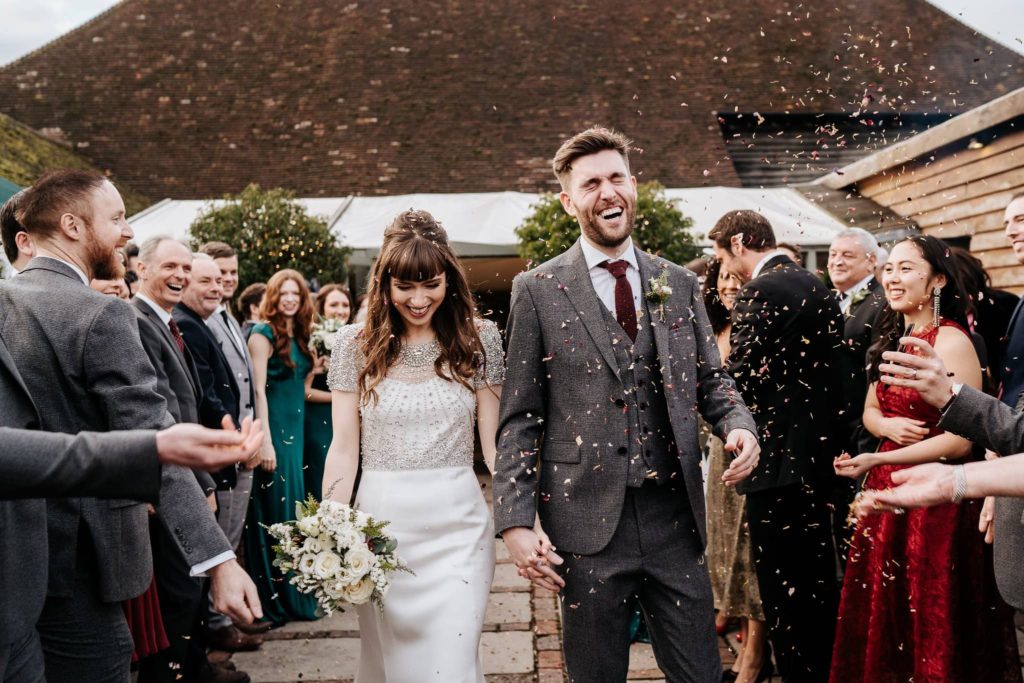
419 355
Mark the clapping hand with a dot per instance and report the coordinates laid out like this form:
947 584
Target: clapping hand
192 445
854 467
748 452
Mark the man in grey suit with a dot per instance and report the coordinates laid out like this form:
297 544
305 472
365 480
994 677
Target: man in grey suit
35 464
610 358
231 503
82 362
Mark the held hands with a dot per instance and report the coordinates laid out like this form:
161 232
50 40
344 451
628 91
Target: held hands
234 593
924 371
533 555
191 445
855 466
747 453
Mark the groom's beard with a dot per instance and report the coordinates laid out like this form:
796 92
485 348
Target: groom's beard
589 227
105 263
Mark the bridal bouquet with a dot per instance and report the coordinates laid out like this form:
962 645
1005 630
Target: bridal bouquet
321 336
336 553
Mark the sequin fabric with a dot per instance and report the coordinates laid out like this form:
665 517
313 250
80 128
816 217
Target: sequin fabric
421 421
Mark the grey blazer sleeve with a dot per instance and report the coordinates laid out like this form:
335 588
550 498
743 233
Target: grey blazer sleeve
123 379
985 420
520 421
36 464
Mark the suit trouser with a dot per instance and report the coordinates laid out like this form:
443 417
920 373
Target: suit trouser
84 638
655 555
794 554
232 505
21 661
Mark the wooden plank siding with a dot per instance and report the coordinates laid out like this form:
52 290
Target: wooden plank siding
959 193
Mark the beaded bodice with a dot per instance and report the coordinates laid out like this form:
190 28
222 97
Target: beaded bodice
419 420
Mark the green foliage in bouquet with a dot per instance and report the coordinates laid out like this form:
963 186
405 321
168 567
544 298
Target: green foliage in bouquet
271 231
661 228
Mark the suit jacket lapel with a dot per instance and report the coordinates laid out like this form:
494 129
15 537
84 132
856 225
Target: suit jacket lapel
228 332
185 361
649 271
574 277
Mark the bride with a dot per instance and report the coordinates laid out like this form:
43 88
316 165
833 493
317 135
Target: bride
408 388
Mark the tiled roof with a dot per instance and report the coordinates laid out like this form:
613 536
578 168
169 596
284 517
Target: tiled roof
191 98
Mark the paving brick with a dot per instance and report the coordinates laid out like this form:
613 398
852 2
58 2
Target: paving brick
507 653
551 676
318 659
546 628
549 643
508 608
506 580
549 659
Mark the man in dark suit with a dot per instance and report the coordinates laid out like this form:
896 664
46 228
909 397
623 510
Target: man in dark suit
16 242
165 272
786 340
611 356
83 365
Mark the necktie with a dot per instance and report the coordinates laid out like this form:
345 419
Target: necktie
625 310
176 333
231 331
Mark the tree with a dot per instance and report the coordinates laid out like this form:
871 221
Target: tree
660 228
271 231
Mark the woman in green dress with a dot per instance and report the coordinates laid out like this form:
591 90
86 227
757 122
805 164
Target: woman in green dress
332 303
281 362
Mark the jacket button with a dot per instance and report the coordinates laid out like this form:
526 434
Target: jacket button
623 450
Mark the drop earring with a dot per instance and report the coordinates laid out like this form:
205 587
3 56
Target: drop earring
936 302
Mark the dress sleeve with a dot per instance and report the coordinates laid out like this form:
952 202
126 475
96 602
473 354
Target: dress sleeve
264 329
346 360
493 366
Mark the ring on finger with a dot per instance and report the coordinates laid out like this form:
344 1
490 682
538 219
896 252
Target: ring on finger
913 375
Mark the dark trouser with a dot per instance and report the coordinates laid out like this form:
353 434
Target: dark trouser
84 638
180 602
655 555
791 530
22 660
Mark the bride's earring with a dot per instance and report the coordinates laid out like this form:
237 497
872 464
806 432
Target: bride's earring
936 302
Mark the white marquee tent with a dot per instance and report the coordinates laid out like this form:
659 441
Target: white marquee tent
483 224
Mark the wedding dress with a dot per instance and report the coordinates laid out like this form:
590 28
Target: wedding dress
417 472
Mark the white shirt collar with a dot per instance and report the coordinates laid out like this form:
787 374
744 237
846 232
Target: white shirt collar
595 257
164 316
857 287
767 257
70 265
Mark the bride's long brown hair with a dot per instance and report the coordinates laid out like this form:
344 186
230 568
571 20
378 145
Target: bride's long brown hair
416 249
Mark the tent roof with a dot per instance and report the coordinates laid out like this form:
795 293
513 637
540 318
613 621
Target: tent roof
483 223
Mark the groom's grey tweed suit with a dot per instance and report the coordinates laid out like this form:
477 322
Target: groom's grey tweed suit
567 433
84 366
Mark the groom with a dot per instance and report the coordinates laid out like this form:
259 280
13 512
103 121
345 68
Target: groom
610 357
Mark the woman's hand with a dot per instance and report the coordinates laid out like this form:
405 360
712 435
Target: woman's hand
903 430
854 467
268 458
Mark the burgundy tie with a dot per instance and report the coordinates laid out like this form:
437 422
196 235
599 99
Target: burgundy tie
176 333
625 310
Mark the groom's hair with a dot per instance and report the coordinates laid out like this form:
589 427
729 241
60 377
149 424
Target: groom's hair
58 192
590 141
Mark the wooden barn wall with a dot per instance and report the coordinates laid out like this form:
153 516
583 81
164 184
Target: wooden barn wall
961 194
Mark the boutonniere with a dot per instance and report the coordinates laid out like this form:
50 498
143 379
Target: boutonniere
659 292
859 296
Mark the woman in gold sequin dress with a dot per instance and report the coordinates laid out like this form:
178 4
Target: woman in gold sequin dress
409 388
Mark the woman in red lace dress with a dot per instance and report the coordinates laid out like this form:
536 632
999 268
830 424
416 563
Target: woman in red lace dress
919 597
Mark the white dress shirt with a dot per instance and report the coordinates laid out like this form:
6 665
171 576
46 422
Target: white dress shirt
164 316
847 296
604 281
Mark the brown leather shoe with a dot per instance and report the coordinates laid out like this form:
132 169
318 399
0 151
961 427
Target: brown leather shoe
231 639
255 628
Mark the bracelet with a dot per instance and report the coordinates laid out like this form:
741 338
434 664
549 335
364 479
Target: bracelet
959 483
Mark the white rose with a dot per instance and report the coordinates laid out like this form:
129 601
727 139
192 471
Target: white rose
359 593
327 564
312 545
359 560
306 563
309 526
344 576
347 536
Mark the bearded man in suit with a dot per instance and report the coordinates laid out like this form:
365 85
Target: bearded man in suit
610 357
83 364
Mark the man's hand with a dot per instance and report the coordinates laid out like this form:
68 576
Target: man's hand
748 452
923 372
918 486
191 445
234 593
533 558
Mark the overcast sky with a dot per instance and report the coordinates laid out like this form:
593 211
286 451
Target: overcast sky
28 25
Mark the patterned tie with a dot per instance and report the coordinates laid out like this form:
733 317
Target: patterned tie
625 310
176 333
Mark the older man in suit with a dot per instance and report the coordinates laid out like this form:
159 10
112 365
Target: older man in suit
610 358
786 339
84 366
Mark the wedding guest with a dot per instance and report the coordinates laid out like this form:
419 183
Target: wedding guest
592 439
85 368
233 503
361 305
905 614
793 252
786 334
249 303
281 361
332 303
730 557
116 287
131 257
16 241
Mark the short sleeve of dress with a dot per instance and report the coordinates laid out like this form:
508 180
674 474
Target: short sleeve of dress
494 357
346 359
265 329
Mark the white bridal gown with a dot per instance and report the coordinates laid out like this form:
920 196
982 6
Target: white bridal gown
417 460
